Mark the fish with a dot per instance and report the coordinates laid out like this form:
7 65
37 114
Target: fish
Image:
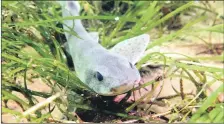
107 72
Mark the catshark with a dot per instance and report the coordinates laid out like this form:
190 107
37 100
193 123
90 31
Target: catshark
108 72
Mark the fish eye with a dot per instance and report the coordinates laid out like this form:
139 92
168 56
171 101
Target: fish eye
99 76
131 65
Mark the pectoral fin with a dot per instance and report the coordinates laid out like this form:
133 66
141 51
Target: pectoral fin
132 48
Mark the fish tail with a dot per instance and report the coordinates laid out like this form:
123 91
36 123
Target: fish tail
72 8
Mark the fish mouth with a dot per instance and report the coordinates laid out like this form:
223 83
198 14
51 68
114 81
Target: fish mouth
118 90
122 88
125 87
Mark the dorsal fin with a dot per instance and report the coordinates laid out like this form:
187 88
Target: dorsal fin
132 48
